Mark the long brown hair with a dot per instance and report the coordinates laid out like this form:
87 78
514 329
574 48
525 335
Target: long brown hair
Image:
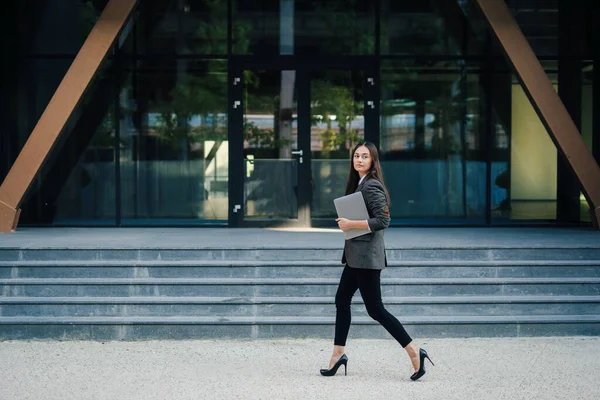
374 171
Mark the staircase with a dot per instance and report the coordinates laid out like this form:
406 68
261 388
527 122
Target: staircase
104 294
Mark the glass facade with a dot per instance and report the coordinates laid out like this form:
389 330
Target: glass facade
173 141
243 113
431 141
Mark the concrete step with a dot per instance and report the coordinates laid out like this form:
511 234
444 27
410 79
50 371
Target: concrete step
139 328
298 306
295 269
289 292
315 253
312 287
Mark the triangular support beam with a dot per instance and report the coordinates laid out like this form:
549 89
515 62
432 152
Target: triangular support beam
65 100
545 101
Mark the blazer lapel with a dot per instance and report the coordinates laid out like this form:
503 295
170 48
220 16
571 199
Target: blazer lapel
360 186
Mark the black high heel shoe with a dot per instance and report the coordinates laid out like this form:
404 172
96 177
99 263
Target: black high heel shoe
331 372
422 356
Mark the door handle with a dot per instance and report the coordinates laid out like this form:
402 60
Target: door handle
299 153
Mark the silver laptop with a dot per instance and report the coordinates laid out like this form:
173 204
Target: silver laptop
352 207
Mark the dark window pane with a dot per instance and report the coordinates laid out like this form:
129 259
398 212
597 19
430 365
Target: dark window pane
538 20
419 27
174 147
37 80
182 27
304 27
88 195
341 27
524 166
431 140
57 27
77 183
256 27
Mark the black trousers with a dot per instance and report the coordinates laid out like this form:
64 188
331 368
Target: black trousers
369 283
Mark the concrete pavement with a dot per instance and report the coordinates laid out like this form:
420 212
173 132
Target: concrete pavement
523 368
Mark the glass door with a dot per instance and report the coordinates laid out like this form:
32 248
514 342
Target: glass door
337 112
271 188
271 152
292 129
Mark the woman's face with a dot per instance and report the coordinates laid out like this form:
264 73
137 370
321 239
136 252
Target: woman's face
362 160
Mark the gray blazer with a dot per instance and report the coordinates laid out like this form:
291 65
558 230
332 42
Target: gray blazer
368 251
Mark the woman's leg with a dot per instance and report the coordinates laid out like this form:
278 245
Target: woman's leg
343 299
370 290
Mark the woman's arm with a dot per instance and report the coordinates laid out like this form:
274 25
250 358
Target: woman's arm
377 205
346 224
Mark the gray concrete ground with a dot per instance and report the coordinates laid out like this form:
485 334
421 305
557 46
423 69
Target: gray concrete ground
525 368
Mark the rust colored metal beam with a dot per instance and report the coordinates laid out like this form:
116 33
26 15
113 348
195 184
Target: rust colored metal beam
64 101
545 100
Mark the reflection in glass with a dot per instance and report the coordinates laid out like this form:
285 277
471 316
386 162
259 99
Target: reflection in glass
430 140
182 27
38 81
539 25
256 26
270 135
524 158
337 124
76 184
174 144
344 27
500 163
89 193
533 162
420 27
51 28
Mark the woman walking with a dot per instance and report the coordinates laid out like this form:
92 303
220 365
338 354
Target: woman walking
364 258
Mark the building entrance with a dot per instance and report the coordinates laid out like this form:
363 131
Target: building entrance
293 129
